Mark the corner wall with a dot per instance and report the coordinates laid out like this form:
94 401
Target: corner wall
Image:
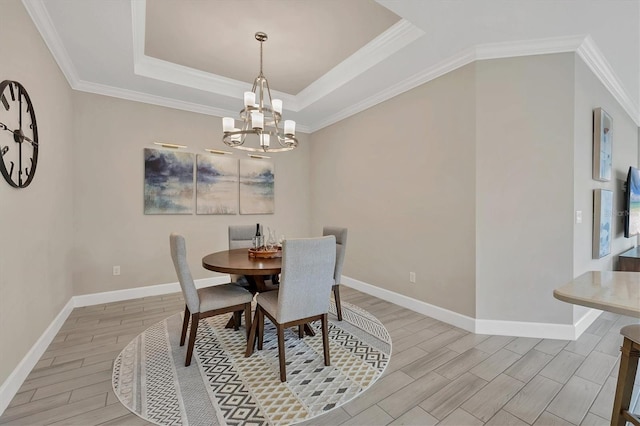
400 176
524 187
36 244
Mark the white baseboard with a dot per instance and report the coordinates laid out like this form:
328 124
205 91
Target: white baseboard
12 384
135 293
509 328
480 326
433 311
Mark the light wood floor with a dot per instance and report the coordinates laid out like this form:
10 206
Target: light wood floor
439 374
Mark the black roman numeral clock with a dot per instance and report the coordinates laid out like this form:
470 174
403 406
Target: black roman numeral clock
18 135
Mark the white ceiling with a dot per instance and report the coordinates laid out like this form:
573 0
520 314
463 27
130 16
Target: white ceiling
327 59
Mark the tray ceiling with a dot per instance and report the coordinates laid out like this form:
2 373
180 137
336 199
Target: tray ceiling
326 59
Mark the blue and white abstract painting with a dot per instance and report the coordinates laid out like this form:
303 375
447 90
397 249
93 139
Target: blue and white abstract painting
603 221
216 185
257 180
168 182
603 145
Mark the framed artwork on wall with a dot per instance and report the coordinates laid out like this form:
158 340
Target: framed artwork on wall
168 182
602 222
216 185
257 179
602 145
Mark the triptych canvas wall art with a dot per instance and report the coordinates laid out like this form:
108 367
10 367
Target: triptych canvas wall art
175 181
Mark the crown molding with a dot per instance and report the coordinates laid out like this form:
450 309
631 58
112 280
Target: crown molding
380 48
396 37
597 63
42 20
132 95
583 46
463 58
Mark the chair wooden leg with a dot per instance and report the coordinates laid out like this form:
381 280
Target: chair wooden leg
195 318
283 367
247 317
626 377
251 340
325 339
185 324
260 318
336 297
237 317
301 331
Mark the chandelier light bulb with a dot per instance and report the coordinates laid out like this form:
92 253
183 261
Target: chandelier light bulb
257 120
264 140
228 124
289 127
249 99
276 104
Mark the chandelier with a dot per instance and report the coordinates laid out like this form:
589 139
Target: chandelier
260 117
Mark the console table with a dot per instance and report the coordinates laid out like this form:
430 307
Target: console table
630 260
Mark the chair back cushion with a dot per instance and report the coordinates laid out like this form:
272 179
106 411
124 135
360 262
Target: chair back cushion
241 236
179 256
307 277
341 246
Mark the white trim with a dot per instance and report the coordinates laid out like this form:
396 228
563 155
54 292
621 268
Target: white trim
583 323
12 384
42 20
398 36
445 315
583 46
480 326
597 63
138 292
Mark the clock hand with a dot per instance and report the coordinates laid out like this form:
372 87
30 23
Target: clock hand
30 141
24 138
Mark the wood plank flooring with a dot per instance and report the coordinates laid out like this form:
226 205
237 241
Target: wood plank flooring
439 374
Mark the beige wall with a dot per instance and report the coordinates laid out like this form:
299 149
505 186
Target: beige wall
524 187
109 223
35 247
401 177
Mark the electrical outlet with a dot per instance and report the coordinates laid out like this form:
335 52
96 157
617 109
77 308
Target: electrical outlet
412 277
116 270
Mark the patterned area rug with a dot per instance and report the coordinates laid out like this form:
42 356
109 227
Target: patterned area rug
222 387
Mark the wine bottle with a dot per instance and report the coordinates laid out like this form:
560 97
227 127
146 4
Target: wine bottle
258 237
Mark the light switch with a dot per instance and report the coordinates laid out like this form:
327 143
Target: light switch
578 216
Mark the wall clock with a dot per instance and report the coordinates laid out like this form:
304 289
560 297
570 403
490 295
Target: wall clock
18 135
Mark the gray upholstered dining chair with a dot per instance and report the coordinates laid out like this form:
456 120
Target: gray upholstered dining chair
241 236
204 302
341 247
307 276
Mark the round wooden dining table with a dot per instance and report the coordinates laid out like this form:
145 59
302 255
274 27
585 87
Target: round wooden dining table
238 262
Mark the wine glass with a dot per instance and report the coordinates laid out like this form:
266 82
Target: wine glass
271 240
